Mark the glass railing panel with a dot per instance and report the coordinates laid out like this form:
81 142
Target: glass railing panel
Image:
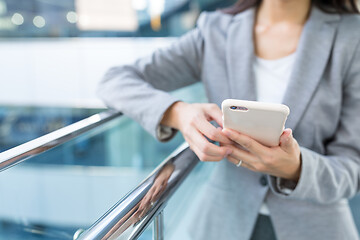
53 194
68 187
355 209
147 234
180 211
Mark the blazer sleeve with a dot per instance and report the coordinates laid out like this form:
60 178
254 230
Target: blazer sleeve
140 90
336 175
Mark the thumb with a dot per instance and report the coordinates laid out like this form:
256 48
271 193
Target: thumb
286 139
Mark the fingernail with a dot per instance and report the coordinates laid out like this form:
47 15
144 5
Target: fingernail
291 133
289 137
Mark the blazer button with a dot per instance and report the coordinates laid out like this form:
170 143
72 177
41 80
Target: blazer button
263 180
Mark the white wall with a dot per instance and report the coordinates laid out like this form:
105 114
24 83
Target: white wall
64 72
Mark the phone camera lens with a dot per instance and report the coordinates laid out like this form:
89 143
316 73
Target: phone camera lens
233 107
243 109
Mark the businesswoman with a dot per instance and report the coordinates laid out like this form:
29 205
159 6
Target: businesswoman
303 53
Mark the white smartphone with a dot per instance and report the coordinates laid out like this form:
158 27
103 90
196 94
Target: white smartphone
262 121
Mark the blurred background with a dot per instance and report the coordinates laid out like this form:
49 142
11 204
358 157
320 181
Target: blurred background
55 52
101 18
52 56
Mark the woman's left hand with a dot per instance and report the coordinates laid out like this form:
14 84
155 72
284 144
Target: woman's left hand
281 161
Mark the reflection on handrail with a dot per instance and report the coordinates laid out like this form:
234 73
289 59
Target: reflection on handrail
128 218
34 147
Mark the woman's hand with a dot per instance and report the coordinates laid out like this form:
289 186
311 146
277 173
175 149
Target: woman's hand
282 161
193 121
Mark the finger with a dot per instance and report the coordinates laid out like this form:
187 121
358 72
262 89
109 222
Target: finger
235 161
243 155
229 145
164 184
136 216
145 211
226 140
213 112
232 145
145 201
212 132
286 140
247 142
206 147
155 194
205 157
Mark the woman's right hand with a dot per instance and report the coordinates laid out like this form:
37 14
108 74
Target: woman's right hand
193 121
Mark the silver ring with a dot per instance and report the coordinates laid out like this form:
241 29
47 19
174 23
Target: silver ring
239 164
152 203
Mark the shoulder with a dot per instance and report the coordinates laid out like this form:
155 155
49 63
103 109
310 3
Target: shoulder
346 24
351 20
348 40
348 34
215 18
217 22
350 25
213 21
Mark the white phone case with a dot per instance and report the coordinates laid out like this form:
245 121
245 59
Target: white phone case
262 121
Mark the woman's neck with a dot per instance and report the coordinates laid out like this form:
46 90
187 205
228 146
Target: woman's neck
276 11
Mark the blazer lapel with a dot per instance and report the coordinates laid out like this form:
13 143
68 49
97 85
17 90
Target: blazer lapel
313 52
239 56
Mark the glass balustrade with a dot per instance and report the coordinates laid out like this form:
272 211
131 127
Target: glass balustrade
68 187
180 211
57 192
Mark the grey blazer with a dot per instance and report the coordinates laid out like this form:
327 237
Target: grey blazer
324 98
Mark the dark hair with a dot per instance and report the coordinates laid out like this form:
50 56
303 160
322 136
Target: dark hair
328 6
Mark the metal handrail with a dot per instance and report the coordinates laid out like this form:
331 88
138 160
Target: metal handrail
129 217
34 147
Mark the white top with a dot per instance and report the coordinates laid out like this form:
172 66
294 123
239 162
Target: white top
272 78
